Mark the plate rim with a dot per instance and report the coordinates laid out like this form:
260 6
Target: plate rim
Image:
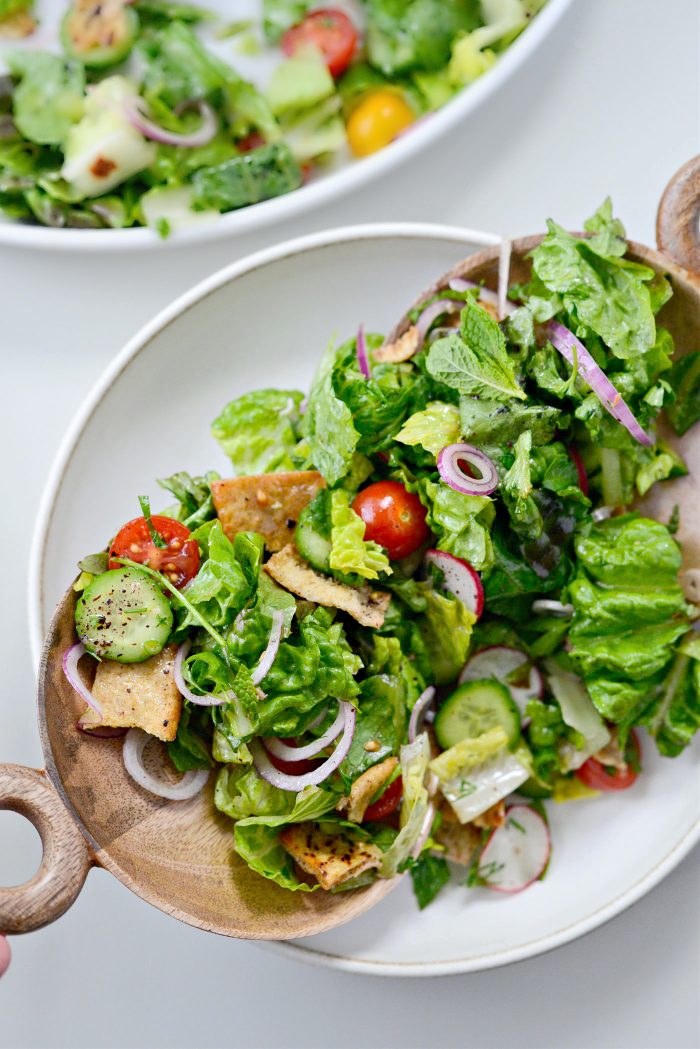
62 459
316 194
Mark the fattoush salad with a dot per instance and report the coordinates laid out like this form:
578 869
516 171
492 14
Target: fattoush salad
425 604
144 120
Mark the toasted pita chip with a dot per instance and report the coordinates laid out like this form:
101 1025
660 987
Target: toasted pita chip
365 787
266 503
492 818
331 858
137 695
367 606
16 26
460 841
401 349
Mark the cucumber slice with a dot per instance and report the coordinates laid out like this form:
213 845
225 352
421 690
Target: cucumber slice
123 615
312 533
474 708
99 35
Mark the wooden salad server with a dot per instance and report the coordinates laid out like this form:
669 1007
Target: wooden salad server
179 855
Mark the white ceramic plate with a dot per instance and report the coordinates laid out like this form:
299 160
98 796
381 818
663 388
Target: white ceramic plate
346 174
264 321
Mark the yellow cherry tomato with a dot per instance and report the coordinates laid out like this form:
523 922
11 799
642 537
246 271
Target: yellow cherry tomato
377 120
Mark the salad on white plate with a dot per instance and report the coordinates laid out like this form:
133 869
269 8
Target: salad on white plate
162 113
424 605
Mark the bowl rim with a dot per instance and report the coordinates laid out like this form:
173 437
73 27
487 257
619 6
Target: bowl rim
317 193
140 342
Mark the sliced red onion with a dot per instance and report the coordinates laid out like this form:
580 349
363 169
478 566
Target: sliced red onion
362 358
418 713
310 779
71 658
133 108
268 657
449 469
436 309
602 513
132 753
280 749
182 687
460 579
545 607
572 349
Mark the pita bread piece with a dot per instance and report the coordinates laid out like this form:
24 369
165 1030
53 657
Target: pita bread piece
365 787
331 858
137 695
367 606
266 503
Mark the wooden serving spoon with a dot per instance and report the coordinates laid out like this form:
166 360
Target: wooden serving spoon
178 855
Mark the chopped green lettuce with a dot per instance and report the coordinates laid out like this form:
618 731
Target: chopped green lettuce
414 759
350 552
258 430
48 100
434 427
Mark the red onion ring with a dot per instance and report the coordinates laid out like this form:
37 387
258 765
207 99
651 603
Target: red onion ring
201 137
449 469
279 749
182 687
268 657
71 658
431 313
362 357
267 770
503 276
567 344
418 712
132 753
602 513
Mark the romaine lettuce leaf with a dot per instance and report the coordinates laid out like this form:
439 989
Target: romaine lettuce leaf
490 423
258 430
227 576
281 15
684 380
49 98
476 773
446 627
256 837
193 495
433 428
579 713
350 552
328 424
416 34
673 717
414 758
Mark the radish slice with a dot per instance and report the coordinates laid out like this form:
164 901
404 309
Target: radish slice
461 579
500 661
517 853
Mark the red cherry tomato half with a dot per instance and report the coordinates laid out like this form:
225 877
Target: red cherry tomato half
393 517
254 140
386 803
178 559
606 777
576 459
329 30
294 768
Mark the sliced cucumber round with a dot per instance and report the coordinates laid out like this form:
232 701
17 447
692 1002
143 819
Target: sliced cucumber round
99 34
124 615
474 708
311 544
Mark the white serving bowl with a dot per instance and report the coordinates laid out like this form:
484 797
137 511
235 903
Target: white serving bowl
344 176
264 321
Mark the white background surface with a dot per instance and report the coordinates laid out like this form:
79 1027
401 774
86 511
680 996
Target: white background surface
610 104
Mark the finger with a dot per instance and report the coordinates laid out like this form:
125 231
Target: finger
5 955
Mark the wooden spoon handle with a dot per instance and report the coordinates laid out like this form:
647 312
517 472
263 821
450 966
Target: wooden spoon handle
65 861
677 232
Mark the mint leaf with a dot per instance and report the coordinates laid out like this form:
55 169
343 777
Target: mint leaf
475 362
